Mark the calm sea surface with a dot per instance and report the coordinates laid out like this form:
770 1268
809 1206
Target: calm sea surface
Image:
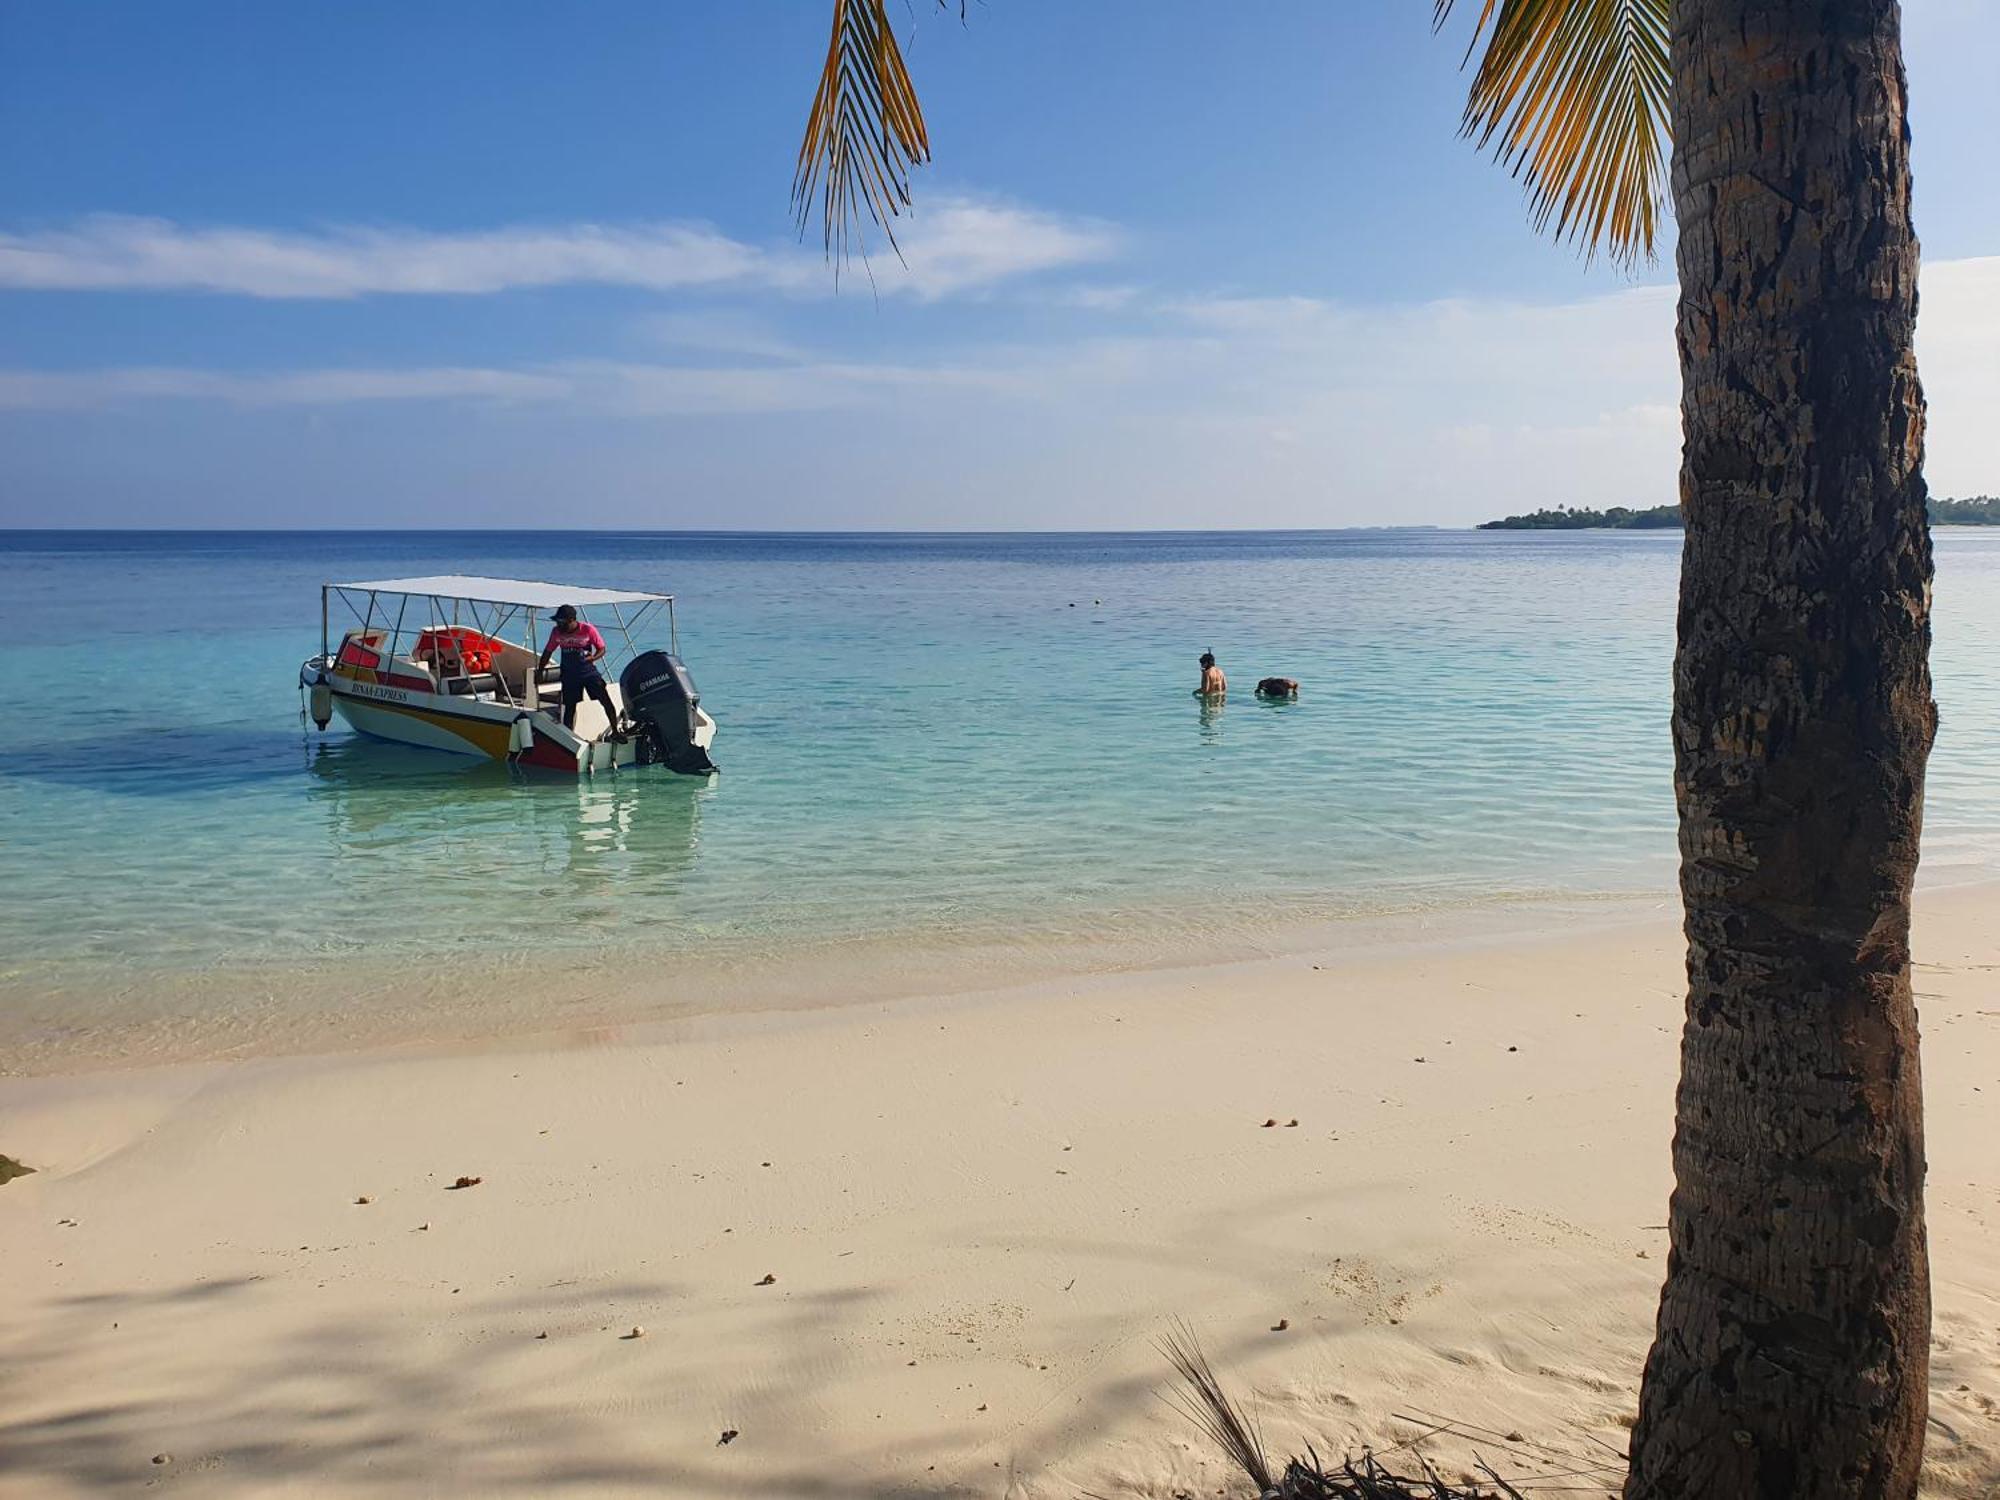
930 745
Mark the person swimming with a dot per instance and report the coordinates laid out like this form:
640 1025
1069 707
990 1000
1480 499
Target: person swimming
1213 683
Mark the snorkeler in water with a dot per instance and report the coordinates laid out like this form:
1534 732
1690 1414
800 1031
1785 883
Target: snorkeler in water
1213 683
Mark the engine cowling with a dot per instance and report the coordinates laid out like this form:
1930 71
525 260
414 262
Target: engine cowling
660 699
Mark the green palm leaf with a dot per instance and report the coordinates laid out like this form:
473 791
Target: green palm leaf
1574 93
865 132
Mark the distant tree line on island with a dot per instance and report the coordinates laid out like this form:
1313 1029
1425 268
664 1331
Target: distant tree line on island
1975 510
1569 518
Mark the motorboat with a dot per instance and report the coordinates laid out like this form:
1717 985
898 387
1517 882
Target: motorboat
451 663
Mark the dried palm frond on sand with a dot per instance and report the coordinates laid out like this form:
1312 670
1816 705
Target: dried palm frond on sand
1367 1477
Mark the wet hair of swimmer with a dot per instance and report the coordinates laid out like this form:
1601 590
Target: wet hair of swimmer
1207 659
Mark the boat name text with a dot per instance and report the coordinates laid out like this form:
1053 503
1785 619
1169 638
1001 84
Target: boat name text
370 690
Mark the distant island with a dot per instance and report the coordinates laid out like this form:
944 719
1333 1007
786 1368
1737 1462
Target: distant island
1976 510
1565 518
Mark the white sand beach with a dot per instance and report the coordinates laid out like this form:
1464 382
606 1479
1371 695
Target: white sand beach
981 1215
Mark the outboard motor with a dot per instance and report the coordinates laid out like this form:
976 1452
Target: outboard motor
319 691
660 698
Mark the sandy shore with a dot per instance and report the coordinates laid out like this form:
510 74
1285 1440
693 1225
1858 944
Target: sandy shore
981 1215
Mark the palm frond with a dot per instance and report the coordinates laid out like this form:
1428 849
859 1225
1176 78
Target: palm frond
1208 1406
1572 95
865 132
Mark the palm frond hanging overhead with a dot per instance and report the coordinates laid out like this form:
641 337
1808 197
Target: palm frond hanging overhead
1572 95
865 132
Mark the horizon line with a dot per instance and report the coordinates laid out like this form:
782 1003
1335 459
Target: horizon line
728 531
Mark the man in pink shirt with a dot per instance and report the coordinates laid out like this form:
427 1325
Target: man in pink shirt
582 649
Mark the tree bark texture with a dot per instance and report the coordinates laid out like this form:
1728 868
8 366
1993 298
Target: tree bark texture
1791 1355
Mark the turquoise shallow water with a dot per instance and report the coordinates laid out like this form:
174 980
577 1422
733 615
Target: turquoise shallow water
927 743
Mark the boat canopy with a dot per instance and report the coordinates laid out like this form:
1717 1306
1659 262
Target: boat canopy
518 593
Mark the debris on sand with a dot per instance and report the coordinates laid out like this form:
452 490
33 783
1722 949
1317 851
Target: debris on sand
1281 1325
729 1435
638 1331
769 1280
1202 1400
364 1198
10 1169
465 1182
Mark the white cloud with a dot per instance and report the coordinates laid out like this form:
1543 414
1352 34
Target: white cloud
42 390
957 246
1276 411
619 387
1624 337
632 389
115 253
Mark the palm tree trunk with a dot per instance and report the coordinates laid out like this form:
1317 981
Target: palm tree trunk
1791 1356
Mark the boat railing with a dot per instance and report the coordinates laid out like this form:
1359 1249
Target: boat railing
398 623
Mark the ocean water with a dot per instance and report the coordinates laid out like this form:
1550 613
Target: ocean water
932 747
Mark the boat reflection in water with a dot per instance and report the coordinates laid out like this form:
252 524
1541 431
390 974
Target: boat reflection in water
429 851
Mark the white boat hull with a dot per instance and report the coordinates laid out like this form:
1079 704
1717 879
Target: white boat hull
452 681
482 728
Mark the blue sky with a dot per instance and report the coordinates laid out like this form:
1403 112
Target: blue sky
519 263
